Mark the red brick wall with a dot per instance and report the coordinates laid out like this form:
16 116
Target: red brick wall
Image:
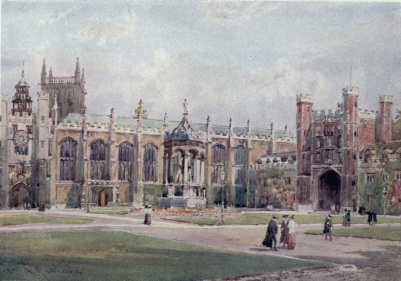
366 132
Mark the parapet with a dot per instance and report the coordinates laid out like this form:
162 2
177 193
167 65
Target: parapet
351 91
43 95
367 114
3 97
386 98
304 98
327 113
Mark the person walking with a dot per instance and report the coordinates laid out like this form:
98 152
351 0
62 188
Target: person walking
284 231
270 240
370 218
348 218
374 218
345 218
291 233
327 227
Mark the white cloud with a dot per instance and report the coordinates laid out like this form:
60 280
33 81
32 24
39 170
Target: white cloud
103 29
233 12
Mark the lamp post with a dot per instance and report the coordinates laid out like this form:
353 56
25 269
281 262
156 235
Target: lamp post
222 177
88 198
256 192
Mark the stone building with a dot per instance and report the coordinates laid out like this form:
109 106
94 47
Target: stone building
62 156
329 143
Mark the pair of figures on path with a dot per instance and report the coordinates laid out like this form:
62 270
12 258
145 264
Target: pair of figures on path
287 233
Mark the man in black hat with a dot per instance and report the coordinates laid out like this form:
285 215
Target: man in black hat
270 238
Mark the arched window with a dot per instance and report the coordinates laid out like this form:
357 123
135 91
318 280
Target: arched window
125 154
68 155
239 161
218 161
149 163
98 160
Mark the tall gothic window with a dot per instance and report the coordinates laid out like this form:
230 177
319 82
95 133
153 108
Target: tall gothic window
218 160
239 161
125 154
98 160
68 154
149 163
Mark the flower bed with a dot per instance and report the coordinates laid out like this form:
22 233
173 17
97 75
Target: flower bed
194 211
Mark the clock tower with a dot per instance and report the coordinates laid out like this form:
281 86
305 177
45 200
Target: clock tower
19 140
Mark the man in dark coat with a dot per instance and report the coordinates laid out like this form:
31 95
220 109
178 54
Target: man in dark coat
284 231
270 238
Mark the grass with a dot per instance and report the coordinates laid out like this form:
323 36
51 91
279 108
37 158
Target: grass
110 255
16 219
263 218
377 232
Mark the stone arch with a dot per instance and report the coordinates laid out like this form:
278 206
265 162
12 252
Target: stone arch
328 189
102 198
19 194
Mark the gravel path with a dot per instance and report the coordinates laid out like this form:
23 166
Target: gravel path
352 258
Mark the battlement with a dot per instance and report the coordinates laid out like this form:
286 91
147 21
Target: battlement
304 98
3 97
351 91
327 113
43 95
60 80
386 98
367 114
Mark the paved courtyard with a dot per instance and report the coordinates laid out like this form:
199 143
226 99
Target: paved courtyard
353 258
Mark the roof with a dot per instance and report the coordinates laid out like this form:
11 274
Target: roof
130 122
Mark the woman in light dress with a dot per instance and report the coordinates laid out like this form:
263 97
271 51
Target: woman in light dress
291 233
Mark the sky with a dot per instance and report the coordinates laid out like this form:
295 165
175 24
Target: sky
229 59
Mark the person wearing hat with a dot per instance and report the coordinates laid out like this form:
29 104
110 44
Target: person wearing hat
270 238
284 231
348 218
291 233
327 227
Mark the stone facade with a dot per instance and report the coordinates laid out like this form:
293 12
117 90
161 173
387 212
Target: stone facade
329 143
69 158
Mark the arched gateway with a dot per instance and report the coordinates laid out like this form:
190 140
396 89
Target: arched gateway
19 195
329 190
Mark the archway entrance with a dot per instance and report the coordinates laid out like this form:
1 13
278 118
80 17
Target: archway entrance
19 195
102 198
329 190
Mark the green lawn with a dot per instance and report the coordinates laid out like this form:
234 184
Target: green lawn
376 232
15 219
110 255
263 218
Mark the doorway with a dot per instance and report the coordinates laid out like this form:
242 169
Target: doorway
102 198
329 190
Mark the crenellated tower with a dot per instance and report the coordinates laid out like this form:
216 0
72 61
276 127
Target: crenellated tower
350 144
70 91
385 118
303 122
